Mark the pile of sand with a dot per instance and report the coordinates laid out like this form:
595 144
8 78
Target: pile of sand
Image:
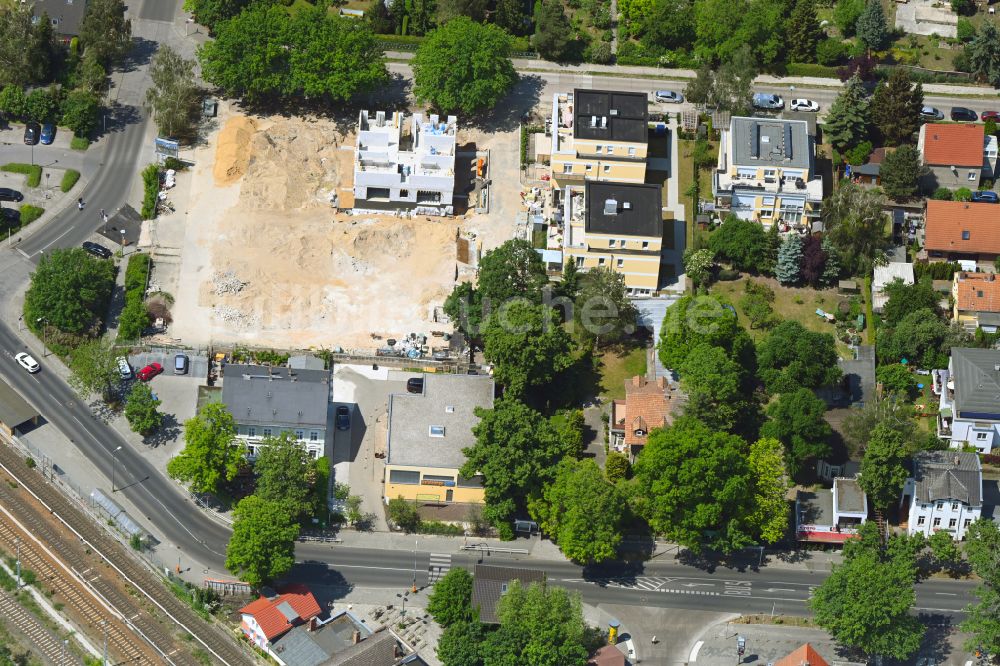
232 152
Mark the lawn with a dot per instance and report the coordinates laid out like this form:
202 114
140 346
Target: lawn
798 303
617 365
685 176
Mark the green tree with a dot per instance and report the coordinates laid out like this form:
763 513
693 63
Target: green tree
963 7
900 172
140 409
106 31
872 28
80 111
982 543
796 419
510 271
983 54
846 123
831 269
12 97
742 242
884 467
865 603
516 452
539 625
701 88
768 516
16 31
511 17
569 287
792 357
262 546
698 265
450 602
93 368
463 66
134 318
212 453
713 383
694 486
904 299
464 308
922 338
889 410
69 291
581 511
282 473
41 105
92 77
553 32
895 106
526 344
448 10
856 225
693 320
173 96
668 24
617 467
733 89
898 379
210 13
804 32
43 50
788 270
944 548
403 514
461 644
603 313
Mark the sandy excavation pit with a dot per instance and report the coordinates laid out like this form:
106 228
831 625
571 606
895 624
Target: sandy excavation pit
268 262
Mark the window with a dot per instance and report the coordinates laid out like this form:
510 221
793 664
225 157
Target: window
979 294
404 194
579 262
767 201
766 212
473 482
567 168
611 242
611 149
921 520
973 175
966 523
590 167
404 476
937 522
952 523
314 454
426 196
600 148
300 434
267 432
965 234
449 409
438 479
313 436
746 173
251 451
769 173
607 168
940 505
954 506
503 588
631 151
645 245
621 243
600 262
251 432
378 192
621 263
436 431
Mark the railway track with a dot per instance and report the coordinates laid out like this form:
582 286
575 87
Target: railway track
222 647
41 638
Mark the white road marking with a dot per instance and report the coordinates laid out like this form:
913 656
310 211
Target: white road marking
694 651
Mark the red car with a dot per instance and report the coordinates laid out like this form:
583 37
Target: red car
149 372
990 115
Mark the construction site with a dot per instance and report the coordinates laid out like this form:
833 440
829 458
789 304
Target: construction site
263 249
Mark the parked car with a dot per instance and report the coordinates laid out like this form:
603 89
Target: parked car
930 113
124 369
10 215
180 364
343 418
31 133
97 250
986 196
990 115
27 362
962 113
804 105
768 101
149 372
668 96
8 194
415 385
48 134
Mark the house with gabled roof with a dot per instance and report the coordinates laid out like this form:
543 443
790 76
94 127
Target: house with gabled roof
945 493
647 405
962 231
969 405
806 655
976 298
955 155
276 613
490 583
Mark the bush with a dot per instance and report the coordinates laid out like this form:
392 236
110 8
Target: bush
962 194
965 31
29 214
728 275
32 171
134 318
70 176
858 155
897 379
404 515
151 188
831 52
810 69
438 527
942 194
79 143
938 270
136 273
600 53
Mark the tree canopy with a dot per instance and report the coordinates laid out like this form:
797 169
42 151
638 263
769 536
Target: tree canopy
212 12
69 290
983 54
450 602
553 32
714 385
769 507
895 106
742 242
211 451
174 95
793 357
693 320
581 511
804 33
847 120
262 547
526 344
904 299
282 470
872 27
900 172
263 52
140 409
982 619
106 31
796 420
922 338
463 66
855 223
884 467
93 367
603 313
511 270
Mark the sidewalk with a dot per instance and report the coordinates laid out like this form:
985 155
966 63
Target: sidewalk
624 71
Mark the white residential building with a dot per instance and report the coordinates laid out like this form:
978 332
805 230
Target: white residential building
831 516
400 168
969 407
944 493
883 275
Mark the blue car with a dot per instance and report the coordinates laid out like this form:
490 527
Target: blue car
986 196
48 134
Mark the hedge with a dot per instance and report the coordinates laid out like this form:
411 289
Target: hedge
134 317
70 176
32 171
29 214
79 143
810 69
151 189
136 272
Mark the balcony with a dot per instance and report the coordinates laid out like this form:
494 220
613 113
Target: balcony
812 188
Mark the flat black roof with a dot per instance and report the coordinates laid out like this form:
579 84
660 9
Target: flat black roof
608 114
637 209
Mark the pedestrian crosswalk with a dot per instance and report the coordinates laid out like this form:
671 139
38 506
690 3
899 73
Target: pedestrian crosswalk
439 566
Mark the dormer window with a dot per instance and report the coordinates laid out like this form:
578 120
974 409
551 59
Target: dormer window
639 432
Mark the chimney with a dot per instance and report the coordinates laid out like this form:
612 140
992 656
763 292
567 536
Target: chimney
637 381
312 624
356 637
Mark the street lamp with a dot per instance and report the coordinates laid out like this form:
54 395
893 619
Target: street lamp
114 465
414 588
44 322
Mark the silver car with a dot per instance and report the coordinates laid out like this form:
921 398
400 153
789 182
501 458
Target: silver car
668 96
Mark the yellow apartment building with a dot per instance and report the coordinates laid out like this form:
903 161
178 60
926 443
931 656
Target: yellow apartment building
427 432
618 225
766 172
598 135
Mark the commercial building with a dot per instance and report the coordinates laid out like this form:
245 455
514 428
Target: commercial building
599 135
969 410
619 226
955 155
400 168
427 432
945 493
267 401
766 172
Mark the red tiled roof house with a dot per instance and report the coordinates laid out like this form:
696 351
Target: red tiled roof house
962 231
955 155
803 656
977 300
272 615
647 405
